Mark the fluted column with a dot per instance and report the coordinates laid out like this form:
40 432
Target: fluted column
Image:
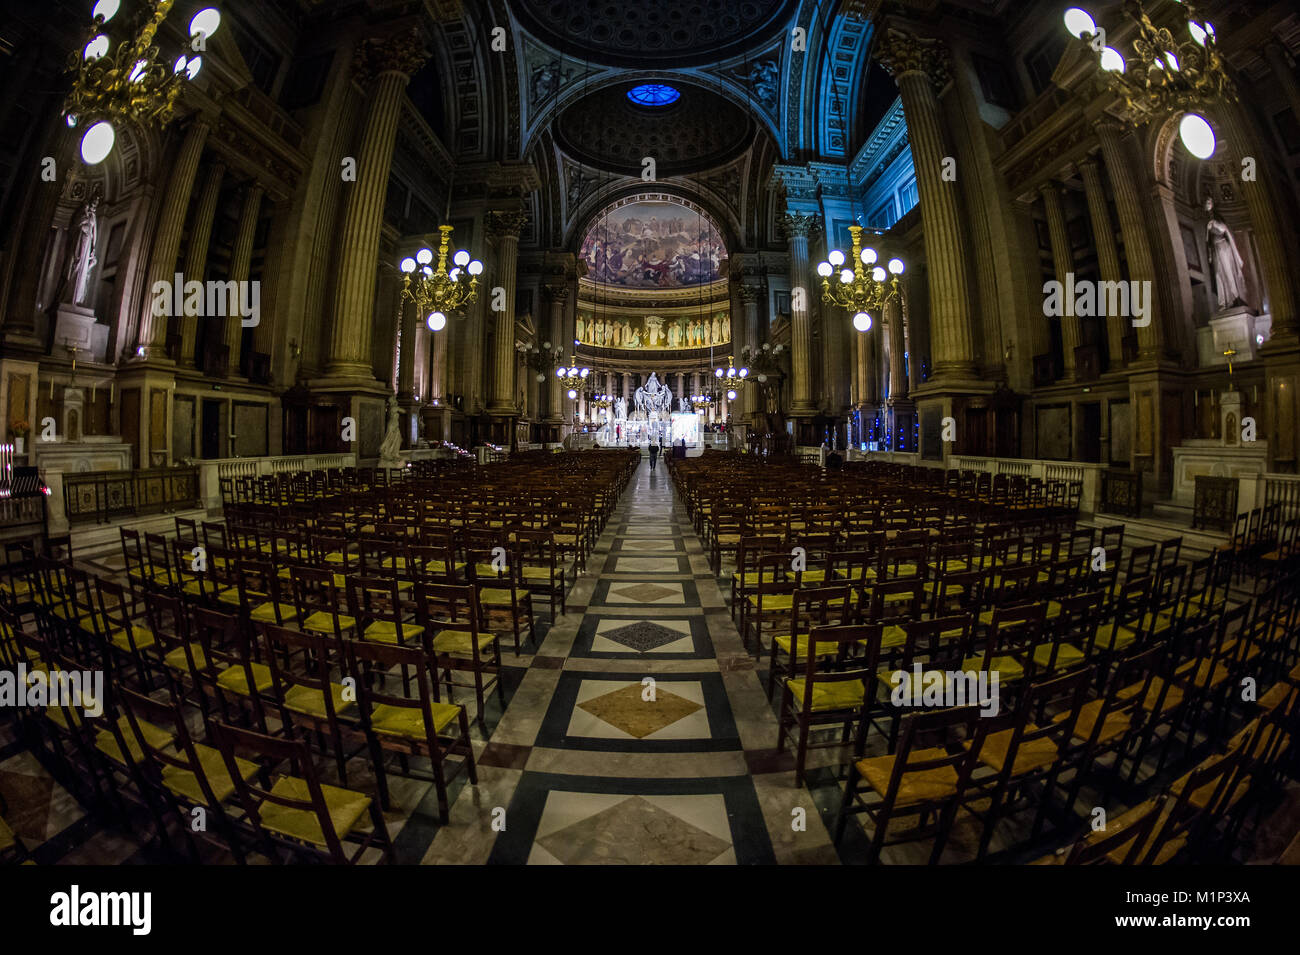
559 295
897 346
1103 236
152 335
241 260
196 255
920 67
503 228
1063 261
749 295
438 366
406 358
1133 225
390 62
797 229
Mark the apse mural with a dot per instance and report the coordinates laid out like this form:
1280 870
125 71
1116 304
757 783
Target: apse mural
652 331
650 245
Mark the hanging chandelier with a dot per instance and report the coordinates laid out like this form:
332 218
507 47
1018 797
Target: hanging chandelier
602 400
864 287
1162 75
702 402
435 290
732 378
572 376
132 82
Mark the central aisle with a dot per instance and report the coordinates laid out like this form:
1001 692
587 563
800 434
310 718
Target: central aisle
640 732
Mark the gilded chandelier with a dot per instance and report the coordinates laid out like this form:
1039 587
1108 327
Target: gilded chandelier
132 83
864 287
571 376
436 290
732 378
1162 74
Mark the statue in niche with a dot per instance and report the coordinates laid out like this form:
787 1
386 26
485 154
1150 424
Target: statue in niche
83 261
1226 267
392 443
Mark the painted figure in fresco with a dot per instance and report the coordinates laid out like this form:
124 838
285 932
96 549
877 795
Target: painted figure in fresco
581 329
632 338
653 330
600 333
675 334
726 327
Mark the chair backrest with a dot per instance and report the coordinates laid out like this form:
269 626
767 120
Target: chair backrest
916 752
253 796
1099 848
855 657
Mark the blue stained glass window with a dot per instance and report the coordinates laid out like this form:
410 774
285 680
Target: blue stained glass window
653 94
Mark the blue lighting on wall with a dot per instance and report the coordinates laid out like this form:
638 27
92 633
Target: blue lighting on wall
653 94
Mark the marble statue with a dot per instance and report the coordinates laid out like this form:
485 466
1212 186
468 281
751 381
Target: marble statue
1226 268
392 443
620 409
83 260
654 397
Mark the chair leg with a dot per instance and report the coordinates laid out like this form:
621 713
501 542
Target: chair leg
846 803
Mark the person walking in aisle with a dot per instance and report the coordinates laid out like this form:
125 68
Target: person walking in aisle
654 454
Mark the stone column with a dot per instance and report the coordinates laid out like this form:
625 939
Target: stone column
1133 225
749 296
152 334
438 367
503 228
1063 260
897 347
920 67
39 204
409 325
387 66
241 260
797 229
196 255
559 295
1103 236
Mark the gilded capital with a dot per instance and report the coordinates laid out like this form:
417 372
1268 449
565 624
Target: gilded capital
505 224
749 294
798 224
902 53
398 53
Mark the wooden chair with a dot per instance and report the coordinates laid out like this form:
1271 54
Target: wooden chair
409 725
916 780
299 814
1022 753
451 618
838 680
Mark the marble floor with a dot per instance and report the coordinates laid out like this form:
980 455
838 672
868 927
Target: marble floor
635 729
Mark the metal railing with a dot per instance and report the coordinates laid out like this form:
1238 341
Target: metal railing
100 496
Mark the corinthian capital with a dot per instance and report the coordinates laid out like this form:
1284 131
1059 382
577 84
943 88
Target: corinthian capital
505 224
902 53
401 53
799 224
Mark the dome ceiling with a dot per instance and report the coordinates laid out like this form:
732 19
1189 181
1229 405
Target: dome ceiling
697 132
661 33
